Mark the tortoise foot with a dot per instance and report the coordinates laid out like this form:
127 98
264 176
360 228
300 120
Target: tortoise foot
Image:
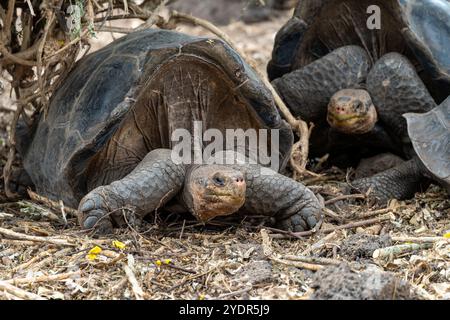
400 182
297 222
94 213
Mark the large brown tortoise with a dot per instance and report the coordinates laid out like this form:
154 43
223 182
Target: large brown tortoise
334 66
105 141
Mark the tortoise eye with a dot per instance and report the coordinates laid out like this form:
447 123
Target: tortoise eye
218 181
359 105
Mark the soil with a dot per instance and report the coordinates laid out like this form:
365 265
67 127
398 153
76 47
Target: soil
343 283
361 246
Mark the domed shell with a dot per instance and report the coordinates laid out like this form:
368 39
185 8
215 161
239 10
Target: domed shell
94 101
420 29
430 136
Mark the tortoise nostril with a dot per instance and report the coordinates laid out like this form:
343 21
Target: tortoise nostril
239 179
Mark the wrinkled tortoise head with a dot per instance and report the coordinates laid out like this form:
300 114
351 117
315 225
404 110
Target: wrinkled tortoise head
352 111
214 190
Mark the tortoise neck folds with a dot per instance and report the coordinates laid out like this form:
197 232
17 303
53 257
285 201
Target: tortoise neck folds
212 190
351 111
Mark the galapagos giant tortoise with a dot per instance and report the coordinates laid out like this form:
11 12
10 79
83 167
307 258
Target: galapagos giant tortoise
105 142
355 83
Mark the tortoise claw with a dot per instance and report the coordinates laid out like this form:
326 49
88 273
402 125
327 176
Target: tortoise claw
294 223
305 220
97 220
90 222
94 215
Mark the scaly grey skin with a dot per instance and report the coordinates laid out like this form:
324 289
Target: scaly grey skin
400 182
308 90
294 206
392 82
157 179
396 88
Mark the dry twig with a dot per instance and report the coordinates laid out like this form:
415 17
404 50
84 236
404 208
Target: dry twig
20 236
20 293
395 251
345 226
135 287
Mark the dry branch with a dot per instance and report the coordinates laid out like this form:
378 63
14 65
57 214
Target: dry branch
135 287
37 257
51 204
345 197
21 236
40 53
419 239
313 260
48 278
395 251
341 227
299 264
20 293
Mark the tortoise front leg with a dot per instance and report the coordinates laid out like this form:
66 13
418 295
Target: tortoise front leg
294 206
399 182
396 88
149 186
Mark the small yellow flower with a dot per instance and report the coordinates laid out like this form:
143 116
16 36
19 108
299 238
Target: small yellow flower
168 261
91 257
95 250
201 297
447 235
92 254
158 263
61 42
119 245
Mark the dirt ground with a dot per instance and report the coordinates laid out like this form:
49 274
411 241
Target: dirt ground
44 254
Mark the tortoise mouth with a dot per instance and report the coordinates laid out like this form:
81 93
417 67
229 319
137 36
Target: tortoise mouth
234 198
218 206
226 197
345 118
352 123
214 204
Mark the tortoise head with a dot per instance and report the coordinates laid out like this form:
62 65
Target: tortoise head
352 111
212 190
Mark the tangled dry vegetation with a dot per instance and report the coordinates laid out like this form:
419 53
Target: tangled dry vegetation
45 255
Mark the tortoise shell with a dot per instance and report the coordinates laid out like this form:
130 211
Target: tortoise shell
126 99
430 136
419 29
